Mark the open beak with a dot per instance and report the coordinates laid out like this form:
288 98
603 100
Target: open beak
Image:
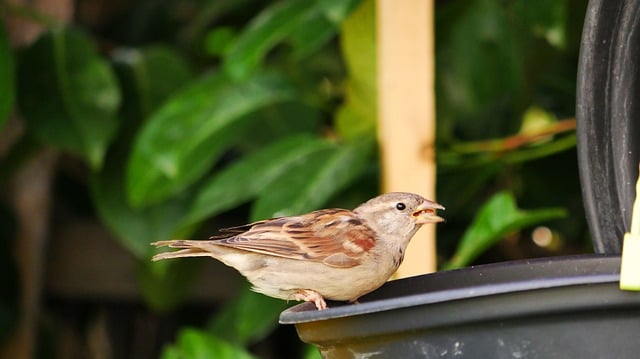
426 213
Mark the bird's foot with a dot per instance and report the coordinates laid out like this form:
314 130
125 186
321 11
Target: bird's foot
309 295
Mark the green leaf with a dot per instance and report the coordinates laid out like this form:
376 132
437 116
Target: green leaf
7 90
219 40
264 32
197 344
497 218
135 228
311 352
68 95
280 121
147 77
246 178
183 139
319 24
248 318
309 185
545 19
306 25
358 115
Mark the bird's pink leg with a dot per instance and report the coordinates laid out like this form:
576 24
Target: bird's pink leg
309 295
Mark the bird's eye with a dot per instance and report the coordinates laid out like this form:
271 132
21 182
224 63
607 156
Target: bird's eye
400 206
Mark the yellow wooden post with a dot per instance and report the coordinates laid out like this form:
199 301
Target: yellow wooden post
406 110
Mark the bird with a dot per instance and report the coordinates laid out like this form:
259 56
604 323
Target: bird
334 254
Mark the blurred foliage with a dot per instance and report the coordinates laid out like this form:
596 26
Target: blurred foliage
487 228
9 282
247 319
185 110
68 94
7 90
196 344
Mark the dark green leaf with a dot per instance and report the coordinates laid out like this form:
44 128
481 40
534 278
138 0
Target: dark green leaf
280 121
218 40
183 139
308 186
546 19
68 94
196 344
481 72
319 24
249 176
248 318
146 85
135 228
311 352
162 284
211 13
7 90
147 77
358 115
165 284
497 218
265 31
306 25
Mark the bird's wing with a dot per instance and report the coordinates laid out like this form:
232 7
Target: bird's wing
335 237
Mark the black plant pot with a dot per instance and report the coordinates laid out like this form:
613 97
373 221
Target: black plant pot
565 307
544 308
608 113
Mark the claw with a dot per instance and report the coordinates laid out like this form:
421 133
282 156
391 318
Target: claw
309 295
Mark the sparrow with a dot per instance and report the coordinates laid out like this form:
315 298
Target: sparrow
334 254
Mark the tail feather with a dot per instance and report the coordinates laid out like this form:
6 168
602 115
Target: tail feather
190 249
178 243
196 252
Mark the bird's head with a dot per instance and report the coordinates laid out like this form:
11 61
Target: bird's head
399 213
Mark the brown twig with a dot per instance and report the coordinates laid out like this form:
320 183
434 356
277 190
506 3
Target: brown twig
519 140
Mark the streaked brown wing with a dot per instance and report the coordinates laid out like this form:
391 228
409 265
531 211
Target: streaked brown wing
336 237
233 231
